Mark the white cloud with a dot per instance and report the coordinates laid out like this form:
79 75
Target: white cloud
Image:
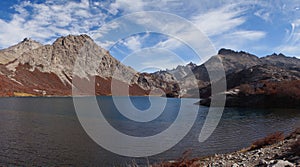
130 6
263 14
153 58
47 21
221 20
246 35
220 24
133 43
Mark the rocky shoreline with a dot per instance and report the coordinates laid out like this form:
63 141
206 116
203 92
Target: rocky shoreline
284 153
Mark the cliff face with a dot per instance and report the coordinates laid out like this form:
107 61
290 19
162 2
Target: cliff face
37 69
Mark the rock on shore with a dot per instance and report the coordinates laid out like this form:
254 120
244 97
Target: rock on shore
285 153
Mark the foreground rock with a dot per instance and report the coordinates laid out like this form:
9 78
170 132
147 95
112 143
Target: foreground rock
285 153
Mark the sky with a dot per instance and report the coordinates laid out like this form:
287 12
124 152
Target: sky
255 26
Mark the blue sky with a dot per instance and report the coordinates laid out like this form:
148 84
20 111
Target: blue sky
258 27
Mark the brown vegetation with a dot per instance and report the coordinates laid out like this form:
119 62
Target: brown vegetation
283 88
183 161
269 140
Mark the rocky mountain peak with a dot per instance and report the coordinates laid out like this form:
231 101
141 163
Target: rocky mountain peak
282 61
60 57
279 55
191 65
224 52
27 44
50 69
73 39
9 54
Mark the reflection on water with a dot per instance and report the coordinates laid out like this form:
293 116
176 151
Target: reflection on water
46 131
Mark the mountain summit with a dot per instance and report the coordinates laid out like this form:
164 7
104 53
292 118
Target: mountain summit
13 52
37 69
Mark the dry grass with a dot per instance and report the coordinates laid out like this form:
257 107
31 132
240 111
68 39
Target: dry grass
269 140
183 161
21 94
283 88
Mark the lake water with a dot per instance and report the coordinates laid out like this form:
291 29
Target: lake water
46 131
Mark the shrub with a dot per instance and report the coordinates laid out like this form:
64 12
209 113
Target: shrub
269 140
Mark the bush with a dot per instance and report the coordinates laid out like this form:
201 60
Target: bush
269 140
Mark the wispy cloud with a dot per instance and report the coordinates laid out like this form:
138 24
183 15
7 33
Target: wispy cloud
239 39
291 45
222 26
220 20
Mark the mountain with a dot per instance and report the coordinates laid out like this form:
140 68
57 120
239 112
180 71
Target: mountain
271 81
13 52
247 77
232 62
181 71
30 68
280 60
183 75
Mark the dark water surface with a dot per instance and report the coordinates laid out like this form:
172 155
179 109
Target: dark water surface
46 131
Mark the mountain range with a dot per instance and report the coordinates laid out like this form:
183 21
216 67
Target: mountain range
30 68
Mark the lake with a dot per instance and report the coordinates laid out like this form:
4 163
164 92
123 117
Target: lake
46 131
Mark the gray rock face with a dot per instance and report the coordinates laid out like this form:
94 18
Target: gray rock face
60 57
180 72
9 54
183 75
